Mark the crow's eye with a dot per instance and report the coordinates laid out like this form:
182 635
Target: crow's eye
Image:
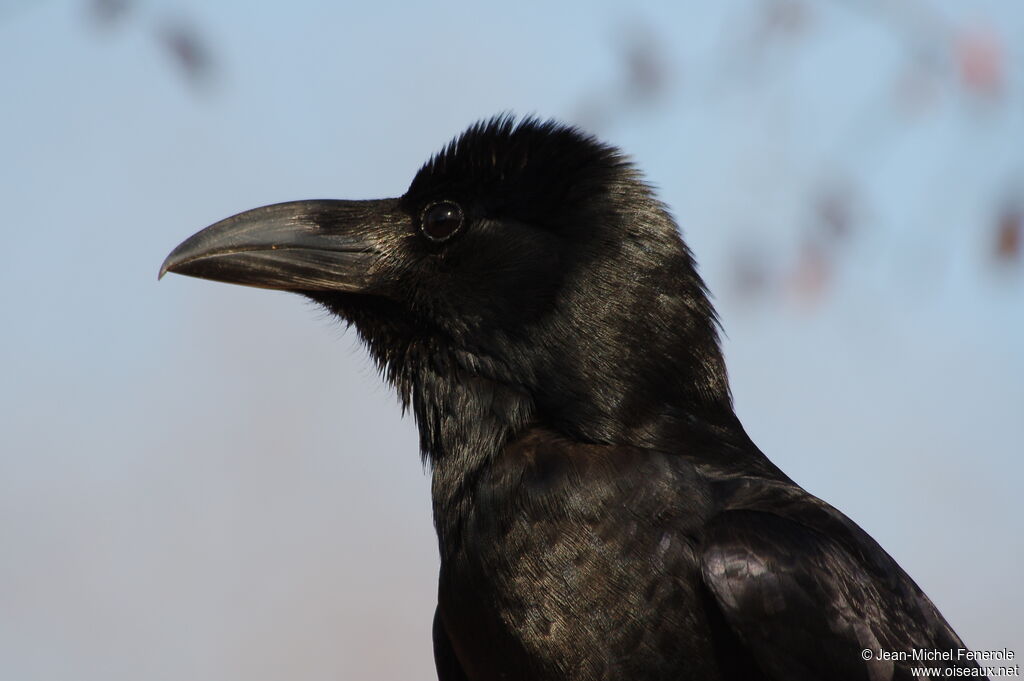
441 220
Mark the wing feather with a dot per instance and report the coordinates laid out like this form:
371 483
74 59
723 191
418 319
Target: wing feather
808 609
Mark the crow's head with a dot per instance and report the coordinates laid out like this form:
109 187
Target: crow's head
528 275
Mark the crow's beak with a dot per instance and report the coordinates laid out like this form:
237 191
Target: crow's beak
299 246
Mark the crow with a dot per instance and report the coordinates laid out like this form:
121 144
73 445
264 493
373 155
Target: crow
600 511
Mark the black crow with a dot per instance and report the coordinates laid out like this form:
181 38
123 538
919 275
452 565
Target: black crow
600 511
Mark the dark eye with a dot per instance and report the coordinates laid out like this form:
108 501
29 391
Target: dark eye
441 220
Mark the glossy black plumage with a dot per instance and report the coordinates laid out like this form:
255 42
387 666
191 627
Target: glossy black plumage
601 513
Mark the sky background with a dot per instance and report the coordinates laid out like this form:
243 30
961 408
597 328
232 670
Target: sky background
210 482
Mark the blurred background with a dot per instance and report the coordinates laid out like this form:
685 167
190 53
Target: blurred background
210 482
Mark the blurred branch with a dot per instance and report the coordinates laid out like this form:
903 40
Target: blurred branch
178 38
189 51
1008 235
645 78
941 58
109 12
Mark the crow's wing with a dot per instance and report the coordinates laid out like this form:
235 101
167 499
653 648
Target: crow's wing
448 667
808 602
